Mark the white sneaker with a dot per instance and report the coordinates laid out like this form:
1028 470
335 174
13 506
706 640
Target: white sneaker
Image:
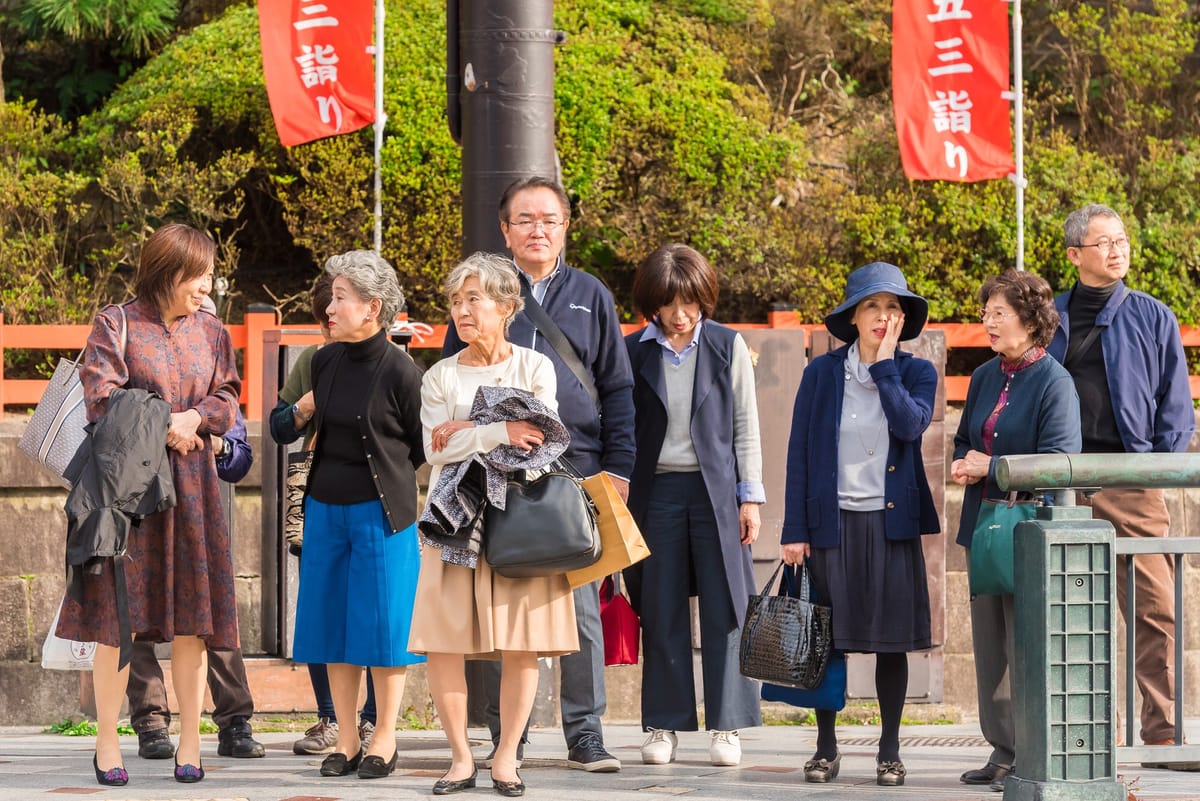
659 748
725 749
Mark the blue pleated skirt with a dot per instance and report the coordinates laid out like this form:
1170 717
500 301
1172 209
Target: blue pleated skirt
358 581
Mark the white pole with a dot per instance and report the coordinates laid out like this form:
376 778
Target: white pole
1019 131
380 121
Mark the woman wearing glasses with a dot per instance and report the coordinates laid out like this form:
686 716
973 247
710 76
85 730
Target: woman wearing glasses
1021 401
858 500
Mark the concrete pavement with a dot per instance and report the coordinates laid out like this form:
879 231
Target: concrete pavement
34 765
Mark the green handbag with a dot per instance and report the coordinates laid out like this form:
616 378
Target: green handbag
991 553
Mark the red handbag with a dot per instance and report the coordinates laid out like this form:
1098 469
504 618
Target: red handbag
622 629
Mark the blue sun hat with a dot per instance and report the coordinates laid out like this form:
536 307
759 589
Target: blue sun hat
872 279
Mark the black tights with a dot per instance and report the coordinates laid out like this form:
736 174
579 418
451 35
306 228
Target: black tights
891 686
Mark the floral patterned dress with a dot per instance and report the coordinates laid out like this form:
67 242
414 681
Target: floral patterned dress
179 567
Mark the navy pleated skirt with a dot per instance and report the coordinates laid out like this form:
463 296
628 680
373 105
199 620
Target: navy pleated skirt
876 587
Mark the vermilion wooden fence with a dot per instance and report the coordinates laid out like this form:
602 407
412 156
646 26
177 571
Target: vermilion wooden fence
248 338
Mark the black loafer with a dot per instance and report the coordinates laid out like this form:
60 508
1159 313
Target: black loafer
988 774
373 767
338 764
451 786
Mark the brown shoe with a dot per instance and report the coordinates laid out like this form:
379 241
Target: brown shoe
890 774
820 771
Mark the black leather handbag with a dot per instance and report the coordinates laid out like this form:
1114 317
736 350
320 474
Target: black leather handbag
547 526
786 640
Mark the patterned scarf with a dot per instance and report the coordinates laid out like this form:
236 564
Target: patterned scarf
1009 368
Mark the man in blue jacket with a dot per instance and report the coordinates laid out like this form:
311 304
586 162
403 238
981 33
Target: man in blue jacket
534 215
1123 349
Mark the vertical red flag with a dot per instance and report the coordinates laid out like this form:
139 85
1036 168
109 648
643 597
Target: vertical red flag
950 88
317 65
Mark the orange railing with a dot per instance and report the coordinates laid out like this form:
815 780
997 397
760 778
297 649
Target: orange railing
248 338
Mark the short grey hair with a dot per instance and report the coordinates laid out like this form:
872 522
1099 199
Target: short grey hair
372 278
1075 228
497 278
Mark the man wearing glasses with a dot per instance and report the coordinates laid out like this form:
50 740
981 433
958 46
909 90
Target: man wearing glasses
534 215
1123 349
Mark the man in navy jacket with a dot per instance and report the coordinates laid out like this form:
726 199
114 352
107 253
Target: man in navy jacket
1124 351
534 215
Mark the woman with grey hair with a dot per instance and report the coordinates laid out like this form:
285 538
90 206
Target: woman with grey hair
467 610
358 577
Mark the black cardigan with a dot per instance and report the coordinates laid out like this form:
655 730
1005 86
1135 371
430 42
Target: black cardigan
391 427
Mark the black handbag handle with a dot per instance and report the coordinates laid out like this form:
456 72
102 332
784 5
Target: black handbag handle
785 585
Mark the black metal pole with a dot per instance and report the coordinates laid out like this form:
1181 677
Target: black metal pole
506 99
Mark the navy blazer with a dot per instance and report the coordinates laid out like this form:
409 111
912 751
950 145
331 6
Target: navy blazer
712 437
1041 416
907 387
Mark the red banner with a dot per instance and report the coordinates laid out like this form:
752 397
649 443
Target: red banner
318 66
950 88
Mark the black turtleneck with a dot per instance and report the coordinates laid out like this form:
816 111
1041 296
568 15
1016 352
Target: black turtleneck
342 474
1100 433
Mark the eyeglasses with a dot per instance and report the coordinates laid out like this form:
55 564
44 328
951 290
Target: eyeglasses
1104 245
529 226
998 316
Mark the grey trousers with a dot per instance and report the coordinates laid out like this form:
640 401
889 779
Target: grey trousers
992 623
581 691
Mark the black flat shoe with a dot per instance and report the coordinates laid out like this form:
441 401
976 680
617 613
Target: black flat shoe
451 786
373 767
114 777
338 764
188 774
985 775
509 789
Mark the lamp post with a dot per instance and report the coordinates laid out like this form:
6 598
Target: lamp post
499 103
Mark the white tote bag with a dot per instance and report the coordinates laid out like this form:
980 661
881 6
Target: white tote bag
60 654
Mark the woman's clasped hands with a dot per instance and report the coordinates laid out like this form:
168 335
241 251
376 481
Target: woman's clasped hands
971 468
182 436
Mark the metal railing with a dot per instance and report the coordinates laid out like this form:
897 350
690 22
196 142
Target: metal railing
1066 474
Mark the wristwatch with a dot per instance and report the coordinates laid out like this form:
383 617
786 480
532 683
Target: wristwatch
301 416
225 448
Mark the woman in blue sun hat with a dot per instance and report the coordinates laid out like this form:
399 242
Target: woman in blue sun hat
857 499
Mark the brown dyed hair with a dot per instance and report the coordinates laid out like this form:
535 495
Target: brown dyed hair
675 271
1031 298
172 254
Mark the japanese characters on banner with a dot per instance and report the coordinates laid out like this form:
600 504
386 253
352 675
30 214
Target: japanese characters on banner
318 66
950 88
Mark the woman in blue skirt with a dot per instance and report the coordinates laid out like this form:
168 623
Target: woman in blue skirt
358 577
857 497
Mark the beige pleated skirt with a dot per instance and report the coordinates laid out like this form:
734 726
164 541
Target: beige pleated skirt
480 613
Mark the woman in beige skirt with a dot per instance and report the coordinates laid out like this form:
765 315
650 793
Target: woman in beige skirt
463 609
